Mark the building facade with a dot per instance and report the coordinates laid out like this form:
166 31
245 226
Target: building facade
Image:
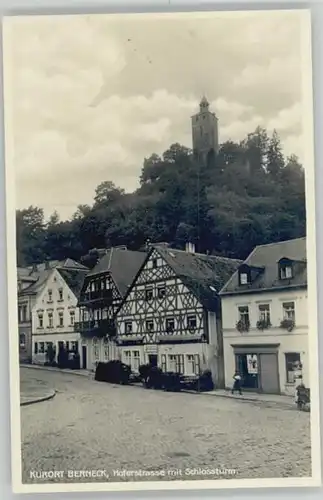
171 317
25 301
55 313
100 298
205 134
265 319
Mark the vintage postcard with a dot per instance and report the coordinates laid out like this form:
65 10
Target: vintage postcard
161 251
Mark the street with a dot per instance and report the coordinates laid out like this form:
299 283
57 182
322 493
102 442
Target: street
94 431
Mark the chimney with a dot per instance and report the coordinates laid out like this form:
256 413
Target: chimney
190 247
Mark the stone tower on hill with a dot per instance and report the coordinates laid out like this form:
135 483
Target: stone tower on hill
205 135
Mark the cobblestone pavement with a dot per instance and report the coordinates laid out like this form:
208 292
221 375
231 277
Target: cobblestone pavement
119 431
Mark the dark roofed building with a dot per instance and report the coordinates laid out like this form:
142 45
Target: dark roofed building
101 295
272 266
170 315
265 318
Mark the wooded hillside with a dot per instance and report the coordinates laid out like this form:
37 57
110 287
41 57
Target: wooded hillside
248 194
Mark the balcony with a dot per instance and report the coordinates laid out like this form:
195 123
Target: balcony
96 328
96 297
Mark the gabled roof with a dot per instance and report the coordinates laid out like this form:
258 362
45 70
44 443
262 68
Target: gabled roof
43 271
52 264
265 259
121 264
74 279
204 275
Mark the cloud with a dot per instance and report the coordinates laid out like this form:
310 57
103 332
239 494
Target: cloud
94 95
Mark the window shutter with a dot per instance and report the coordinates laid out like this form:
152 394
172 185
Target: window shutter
197 364
163 362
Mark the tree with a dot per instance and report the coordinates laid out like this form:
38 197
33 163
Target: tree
256 147
245 196
275 158
30 232
107 192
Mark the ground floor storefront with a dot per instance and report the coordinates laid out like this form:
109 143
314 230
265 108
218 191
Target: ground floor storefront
274 367
188 359
95 350
40 343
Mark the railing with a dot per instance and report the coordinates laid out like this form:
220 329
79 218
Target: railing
96 328
96 295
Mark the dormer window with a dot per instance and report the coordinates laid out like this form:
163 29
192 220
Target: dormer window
244 275
286 272
244 279
285 269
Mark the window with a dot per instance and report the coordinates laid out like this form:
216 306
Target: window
264 312
289 310
244 315
40 320
193 364
286 272
50 296
95 347
128 326
161 292
190 364
293 363
67 345
244 279
148 294
60 294
191 321
149 325
61 318
36 348
176 363
136 360
170 325
75 345
127 357
41 347
22 340
50 320
154 263
72 317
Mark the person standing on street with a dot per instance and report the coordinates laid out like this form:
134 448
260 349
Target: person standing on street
237 383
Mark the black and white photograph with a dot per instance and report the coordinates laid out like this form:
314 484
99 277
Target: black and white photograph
160 193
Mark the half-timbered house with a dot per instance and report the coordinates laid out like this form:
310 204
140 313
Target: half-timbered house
171 315
102 293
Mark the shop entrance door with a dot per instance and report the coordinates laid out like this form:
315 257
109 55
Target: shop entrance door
269 373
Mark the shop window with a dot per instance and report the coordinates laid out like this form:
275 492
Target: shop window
293 366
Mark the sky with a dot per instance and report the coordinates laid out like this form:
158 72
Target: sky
91 96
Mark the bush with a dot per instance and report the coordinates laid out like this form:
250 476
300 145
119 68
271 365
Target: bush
114 372
155 378
172 381
205 382
144 372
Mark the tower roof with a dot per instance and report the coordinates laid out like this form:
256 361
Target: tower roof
204 101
